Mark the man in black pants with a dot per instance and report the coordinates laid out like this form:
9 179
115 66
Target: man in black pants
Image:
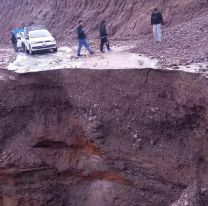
14 41
103 37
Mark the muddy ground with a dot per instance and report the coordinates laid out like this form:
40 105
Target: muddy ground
119 58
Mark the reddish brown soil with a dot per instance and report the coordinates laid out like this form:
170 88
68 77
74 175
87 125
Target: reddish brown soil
104 138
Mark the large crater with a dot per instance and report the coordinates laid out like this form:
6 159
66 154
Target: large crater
103 138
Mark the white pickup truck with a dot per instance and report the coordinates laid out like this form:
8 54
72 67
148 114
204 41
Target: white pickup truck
38 39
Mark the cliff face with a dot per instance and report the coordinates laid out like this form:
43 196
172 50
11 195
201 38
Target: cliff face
124 18
103 138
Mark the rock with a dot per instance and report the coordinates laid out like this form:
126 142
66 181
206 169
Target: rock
204 190
190 197
152 142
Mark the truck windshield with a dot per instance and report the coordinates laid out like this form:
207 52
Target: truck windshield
39 33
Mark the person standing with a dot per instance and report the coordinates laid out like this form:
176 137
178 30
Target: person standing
156 22
82 40
104 37
14 41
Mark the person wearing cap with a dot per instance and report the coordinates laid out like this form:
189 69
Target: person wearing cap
82 40
104 37
156 22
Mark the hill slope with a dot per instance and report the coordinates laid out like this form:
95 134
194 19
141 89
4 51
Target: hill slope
125 18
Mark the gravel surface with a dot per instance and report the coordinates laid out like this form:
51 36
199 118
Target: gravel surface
183 44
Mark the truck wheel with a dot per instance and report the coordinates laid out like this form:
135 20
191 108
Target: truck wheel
55 50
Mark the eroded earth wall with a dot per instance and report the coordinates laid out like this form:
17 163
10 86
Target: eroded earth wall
103 138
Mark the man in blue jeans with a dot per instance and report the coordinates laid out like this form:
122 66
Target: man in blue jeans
82 39
156 22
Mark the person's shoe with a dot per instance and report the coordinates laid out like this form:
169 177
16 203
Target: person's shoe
110 50
79 55
91 53
102 52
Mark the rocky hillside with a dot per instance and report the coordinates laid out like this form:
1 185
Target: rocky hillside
125 18
103 138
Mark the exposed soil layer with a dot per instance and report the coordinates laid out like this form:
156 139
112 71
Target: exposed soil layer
103 138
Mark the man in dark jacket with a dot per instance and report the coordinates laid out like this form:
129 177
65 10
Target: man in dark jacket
104 37
82 39
156 21
14 41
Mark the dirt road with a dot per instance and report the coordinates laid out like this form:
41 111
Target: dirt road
120 58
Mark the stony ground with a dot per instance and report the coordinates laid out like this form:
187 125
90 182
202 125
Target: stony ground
183 44
6 56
